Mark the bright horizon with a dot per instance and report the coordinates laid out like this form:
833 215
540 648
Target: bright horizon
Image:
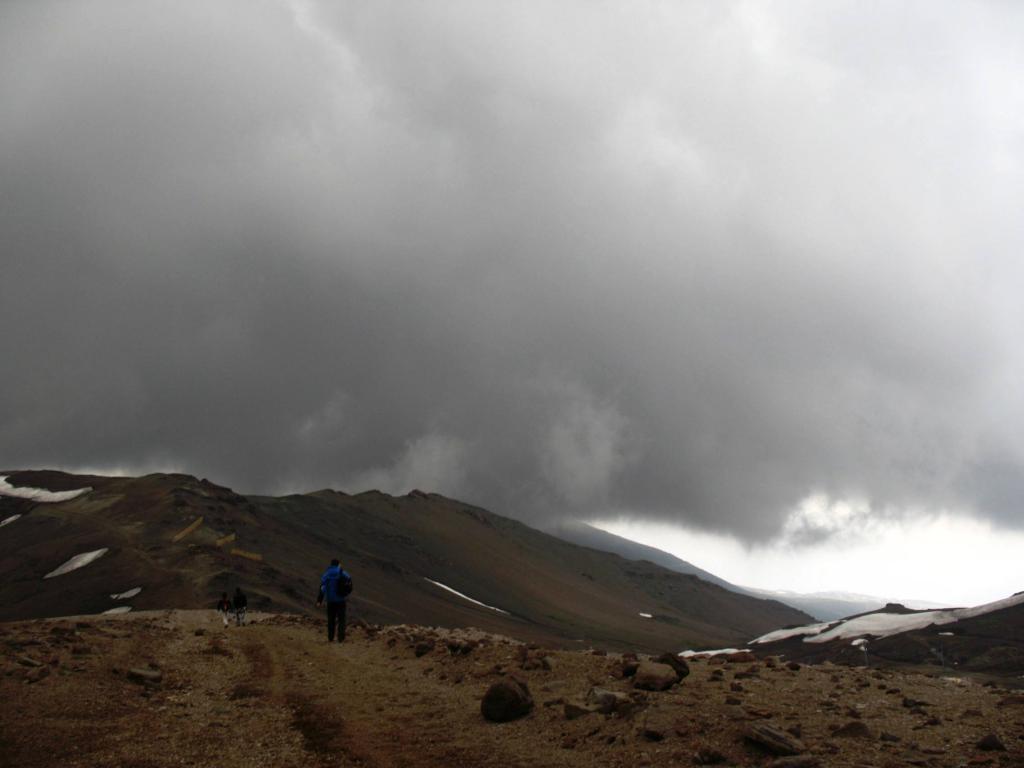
947 559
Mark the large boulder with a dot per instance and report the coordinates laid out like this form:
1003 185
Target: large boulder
652 676
677 663
505 700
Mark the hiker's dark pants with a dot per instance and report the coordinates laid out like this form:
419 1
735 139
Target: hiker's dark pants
335 615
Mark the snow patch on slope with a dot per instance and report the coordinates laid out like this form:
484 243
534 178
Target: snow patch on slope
76 562
464 597
885 624
785 634
38 494
8 520
126 595
119 609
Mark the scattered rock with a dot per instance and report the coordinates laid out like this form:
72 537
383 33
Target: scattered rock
28 661
737 687
733 700
460 647
572 710
652 734
890 737
793 665
652 676
709 756
606 702
855 729
199 632
739 657
991 743
423 647
36 674
1016 700
752 671
145 676
629 668
796 761
506 700
774 739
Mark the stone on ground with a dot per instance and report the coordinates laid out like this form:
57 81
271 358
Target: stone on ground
652 676
774 739
506 700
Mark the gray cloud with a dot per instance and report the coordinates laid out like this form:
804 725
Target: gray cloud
692 263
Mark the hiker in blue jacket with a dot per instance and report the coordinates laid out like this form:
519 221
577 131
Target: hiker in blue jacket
335 586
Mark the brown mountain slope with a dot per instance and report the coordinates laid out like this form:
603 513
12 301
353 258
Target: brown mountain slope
183 541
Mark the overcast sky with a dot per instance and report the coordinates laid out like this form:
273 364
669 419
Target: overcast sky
751 269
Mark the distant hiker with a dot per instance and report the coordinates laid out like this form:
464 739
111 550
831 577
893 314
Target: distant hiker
240 602
335 586
224 606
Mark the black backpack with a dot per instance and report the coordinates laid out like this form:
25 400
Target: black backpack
344 584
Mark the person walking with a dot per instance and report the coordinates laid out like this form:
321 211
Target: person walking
335 587
224 606
240 602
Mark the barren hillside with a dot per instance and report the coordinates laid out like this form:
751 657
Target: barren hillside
172 688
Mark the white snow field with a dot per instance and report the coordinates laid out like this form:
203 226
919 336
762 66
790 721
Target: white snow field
76 562
38 494
8 520
119 609
464 597
783 634
646 615
127 594
885 624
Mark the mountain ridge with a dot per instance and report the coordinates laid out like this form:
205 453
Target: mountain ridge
184 540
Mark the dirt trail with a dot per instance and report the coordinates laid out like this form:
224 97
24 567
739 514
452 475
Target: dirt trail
276 694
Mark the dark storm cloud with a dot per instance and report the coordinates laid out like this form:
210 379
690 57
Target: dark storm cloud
690 262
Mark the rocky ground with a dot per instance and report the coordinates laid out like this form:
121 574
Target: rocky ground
176 688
